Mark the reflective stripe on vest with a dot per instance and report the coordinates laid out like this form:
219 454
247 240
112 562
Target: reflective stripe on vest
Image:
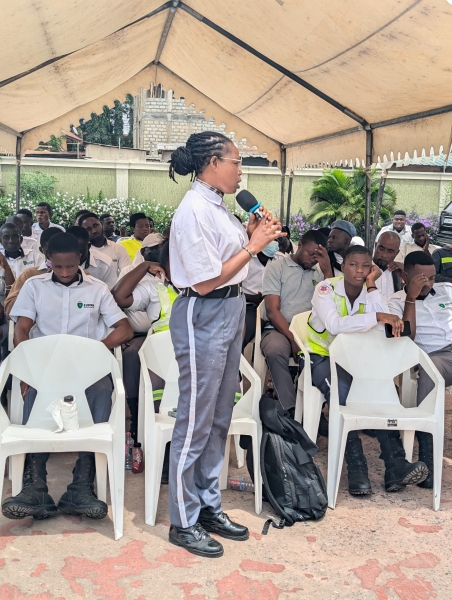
166 296
319 343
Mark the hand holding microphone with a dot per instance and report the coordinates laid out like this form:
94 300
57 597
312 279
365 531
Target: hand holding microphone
263 228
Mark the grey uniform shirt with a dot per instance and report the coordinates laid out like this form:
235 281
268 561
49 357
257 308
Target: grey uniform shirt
294 285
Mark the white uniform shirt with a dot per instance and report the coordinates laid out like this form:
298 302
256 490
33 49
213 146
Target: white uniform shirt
83 308
118 254
28 243
404 235
253 282
204 234
408 248
138 319
100 265
385 284
31 258
146 298
36 230
433 316
325 314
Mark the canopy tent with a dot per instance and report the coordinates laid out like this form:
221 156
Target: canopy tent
310 83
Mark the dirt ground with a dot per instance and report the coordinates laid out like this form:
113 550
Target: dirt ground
383 547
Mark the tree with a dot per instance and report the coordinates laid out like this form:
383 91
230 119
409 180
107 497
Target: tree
338 195
108 127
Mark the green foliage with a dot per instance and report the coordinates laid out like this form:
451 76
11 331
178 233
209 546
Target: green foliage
108 127
37 186
338 195
55 143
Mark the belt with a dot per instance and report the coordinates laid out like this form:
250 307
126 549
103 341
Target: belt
230 291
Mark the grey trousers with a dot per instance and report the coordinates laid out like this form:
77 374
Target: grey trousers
277 351
442 359
207 339
99 402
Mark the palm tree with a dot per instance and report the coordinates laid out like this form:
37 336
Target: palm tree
338 195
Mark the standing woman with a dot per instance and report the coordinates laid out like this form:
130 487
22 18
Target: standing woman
209 256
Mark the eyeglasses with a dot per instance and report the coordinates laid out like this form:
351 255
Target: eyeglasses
237 161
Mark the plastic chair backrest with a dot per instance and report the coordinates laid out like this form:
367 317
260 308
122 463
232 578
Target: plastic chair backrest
158 353
373 361
299 327
249 402
60 365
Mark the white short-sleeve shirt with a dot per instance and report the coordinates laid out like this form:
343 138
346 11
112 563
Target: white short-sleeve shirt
138 319
146 298
36 230
100 265
433 316
31 258
118 254
404 235
204 234
84 308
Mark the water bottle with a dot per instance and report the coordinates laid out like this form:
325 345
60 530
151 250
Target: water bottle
137 458
242 484
129 449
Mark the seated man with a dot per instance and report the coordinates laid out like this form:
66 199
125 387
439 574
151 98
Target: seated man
288 287
386 250
252 288
95 263
116 252
26 222
339 241
421 241
19 259
108 226
139 225
43 214
352 303
428 307
398 226
442 259
50 302
32 271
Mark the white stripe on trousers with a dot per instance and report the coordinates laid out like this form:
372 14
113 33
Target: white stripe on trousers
192 413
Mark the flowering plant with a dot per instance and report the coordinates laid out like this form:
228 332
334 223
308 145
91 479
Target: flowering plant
430 222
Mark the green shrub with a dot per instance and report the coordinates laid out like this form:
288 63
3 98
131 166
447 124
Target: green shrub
37 186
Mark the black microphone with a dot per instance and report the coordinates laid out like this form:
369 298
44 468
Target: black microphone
250 204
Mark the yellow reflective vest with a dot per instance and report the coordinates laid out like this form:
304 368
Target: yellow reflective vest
319 343
167 296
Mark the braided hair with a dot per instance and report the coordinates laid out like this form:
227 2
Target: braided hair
196 155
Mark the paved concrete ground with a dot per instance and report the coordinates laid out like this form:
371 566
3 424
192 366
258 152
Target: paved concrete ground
388 546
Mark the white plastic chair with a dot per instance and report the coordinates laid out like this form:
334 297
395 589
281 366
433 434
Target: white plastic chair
246 421
56 366
372 403
309 399
157 354
11 325
259 362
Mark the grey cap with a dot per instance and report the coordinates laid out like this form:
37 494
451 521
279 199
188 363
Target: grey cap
345 226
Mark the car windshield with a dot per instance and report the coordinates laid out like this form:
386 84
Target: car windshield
448 208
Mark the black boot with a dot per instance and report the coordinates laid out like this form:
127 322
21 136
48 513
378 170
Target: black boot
399 472
358 479
426 456
196 540
221 524
80 498
323 426
34 500
133 407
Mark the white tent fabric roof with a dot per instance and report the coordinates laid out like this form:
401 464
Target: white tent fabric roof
312 77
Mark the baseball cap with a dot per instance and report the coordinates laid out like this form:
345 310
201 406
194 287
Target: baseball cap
153 239
345 226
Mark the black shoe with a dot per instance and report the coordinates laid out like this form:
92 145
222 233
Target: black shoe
195 540
34 500
221 524
80 498
426 456
358 479
323 426
399 472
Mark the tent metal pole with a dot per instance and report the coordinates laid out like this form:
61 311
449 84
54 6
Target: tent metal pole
289 197
283 183
18 165
369 153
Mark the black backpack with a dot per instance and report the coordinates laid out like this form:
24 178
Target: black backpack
293 483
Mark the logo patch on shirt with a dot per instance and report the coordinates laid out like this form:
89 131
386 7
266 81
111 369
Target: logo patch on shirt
324 290
82 305
30 262
314 282
446 304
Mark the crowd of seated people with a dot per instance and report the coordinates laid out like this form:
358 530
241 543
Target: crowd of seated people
126 282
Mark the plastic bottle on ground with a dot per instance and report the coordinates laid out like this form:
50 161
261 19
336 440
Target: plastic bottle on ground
242 484
128 449
137 458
